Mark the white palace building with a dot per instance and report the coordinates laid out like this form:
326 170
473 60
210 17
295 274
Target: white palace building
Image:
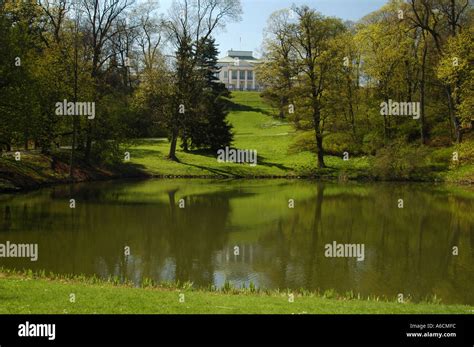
237 70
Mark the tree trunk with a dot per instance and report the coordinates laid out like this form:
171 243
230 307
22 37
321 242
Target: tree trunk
283 106
422 93
319 144
73 148
74 117
174 140
185 143
351 108
87 152
452 115
319 138
385 130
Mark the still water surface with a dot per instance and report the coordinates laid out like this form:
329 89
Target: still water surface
407 250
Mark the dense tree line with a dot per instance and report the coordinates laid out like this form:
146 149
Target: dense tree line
147 74
153 75
330 78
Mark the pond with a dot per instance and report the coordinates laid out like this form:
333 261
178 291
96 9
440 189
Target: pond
268 233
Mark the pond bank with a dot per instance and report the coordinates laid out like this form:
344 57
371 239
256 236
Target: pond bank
36 170
26 294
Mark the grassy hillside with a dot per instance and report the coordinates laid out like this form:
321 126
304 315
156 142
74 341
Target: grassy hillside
254 129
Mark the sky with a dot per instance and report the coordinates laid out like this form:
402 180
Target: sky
247 35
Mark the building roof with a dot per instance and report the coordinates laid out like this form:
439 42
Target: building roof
239 58
226 60
244 55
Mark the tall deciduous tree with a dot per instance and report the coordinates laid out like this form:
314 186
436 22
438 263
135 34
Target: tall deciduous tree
101 16
312 38
278 70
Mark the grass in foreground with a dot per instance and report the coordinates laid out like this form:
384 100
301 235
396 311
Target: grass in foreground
22 294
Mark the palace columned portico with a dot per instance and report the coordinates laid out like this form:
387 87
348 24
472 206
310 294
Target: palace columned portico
237 70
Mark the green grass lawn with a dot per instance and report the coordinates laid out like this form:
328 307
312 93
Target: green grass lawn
24 295
254 128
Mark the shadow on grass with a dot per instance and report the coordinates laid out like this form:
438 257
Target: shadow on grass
149 154
146 153
215 170
262 161
158 155
211 154
149 141
208 153
131 170
246 108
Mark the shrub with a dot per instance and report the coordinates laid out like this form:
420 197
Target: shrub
304 141
372 142
338 143
466 151
333 144
400 161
